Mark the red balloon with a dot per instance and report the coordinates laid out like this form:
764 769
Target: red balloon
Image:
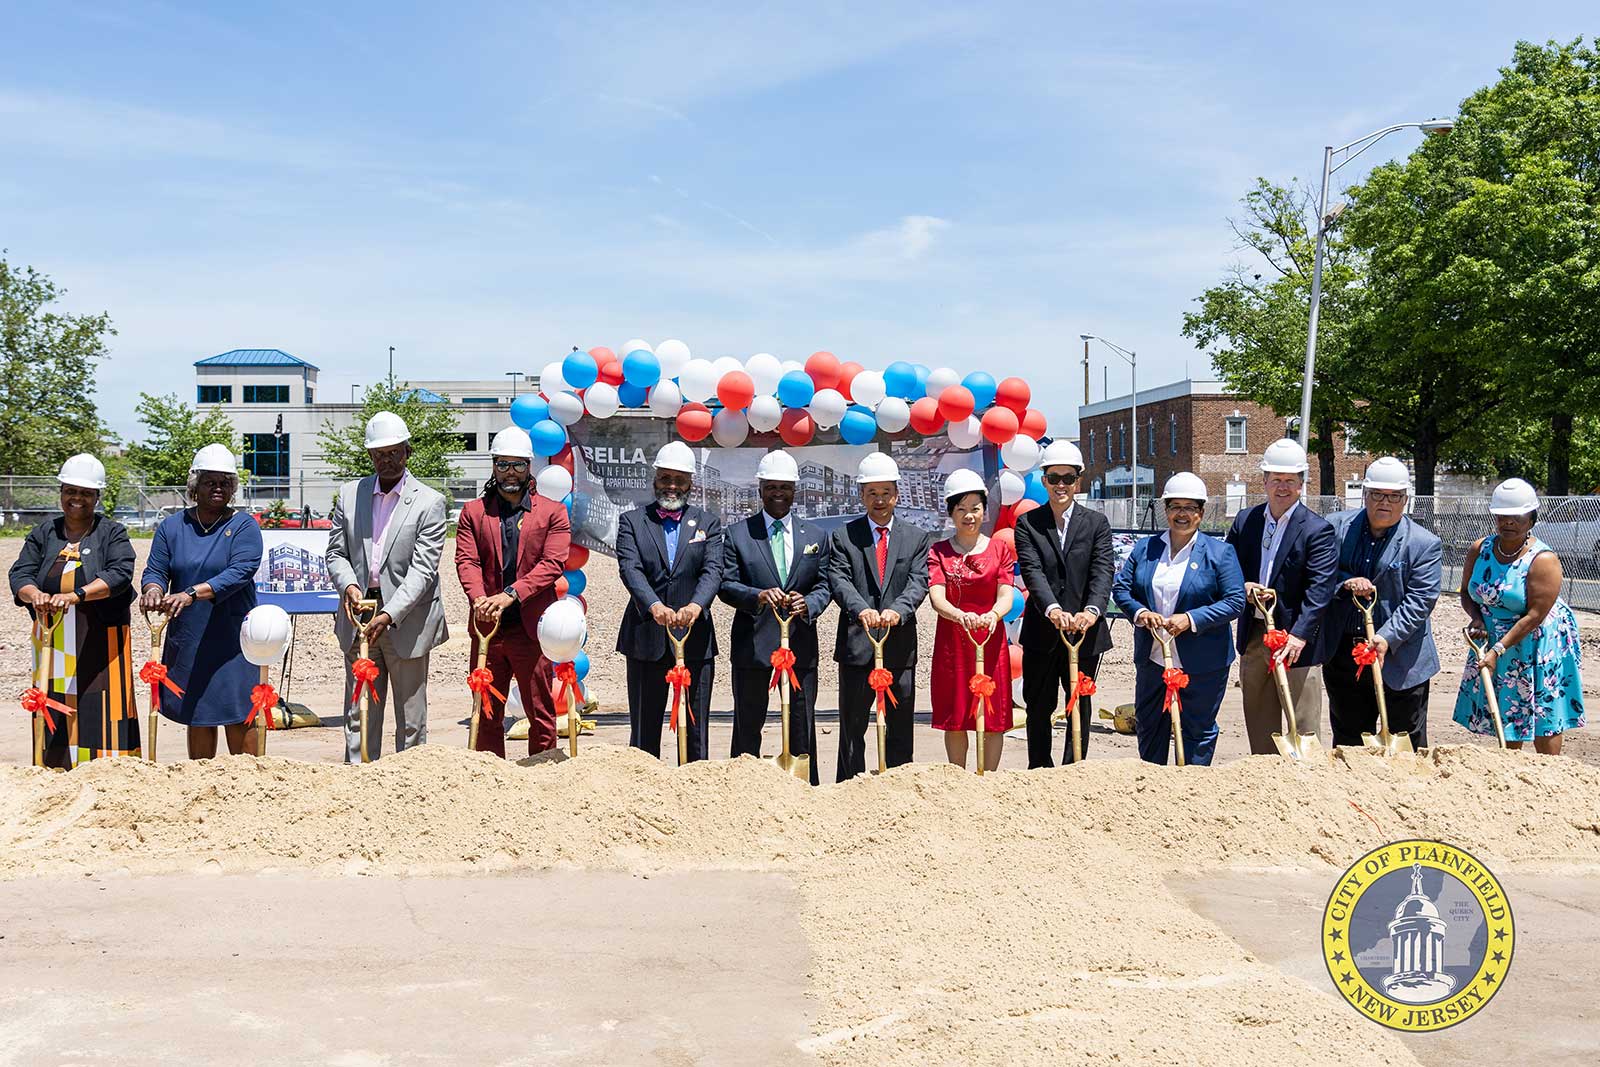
577 556
847 374
1033 424
564 462
584 604
1016 661
1005 518
925 417
796 427
694 422
601 353
999 425
736 390
824 370
562 586
1007 536
1013 393
611 371
955 403
1024 506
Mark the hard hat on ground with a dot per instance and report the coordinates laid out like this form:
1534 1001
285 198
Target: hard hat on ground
1387 472
961 482
1184 486
385 429
778 466
1284 456
1061 453
214 458
84 471
675 456
877 467
512 442
1513 497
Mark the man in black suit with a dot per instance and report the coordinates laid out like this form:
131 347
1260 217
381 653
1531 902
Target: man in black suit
1283 546
774 559
1067 562
669 555
878 575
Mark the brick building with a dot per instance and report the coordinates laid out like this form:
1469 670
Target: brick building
1190 426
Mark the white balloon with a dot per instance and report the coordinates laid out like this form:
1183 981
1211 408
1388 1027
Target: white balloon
633 346
665 399
764 414
827 408
764 370
264 634
867 388
698 380
893 414
1021 453
729 428
727 365
566 408
1011 487
791 364
553 483
965 434
550 380
672 355
562 630
940 380
601 400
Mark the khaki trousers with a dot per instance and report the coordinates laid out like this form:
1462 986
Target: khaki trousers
1263 715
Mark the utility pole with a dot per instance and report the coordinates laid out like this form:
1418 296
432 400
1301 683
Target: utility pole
514 375
391 363
1086 372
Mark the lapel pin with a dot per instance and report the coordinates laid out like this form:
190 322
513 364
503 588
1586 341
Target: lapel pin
691 522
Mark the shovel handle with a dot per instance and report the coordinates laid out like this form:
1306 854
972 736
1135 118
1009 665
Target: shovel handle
678 642
1267 599
361 612
1072 645
1367 604
784 619
483 636
1486 675
979 643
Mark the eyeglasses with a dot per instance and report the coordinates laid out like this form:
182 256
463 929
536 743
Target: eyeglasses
1060 479
1379 497
1184 509
511 465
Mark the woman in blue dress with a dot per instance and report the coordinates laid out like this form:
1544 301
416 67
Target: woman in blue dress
1510 587
201 575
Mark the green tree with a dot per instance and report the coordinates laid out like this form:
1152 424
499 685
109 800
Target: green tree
433 433
47 375
174 433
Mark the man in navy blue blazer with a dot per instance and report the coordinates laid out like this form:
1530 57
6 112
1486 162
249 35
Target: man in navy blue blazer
774 561
1285 547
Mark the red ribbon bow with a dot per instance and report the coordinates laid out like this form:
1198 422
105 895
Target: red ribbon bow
1365 655
154 674
679 678
1275 640
1175 680
366 674
481 682
783 663
882 682
263 698
567 675
1083 688
36 701
982 687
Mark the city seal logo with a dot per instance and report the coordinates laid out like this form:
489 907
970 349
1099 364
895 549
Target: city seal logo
1417 935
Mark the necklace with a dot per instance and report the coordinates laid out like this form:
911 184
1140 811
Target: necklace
204 530
1513 557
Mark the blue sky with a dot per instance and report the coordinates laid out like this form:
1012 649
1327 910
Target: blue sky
485 185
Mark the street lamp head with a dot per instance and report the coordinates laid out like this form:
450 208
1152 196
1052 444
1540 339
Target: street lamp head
1086 337
1437 126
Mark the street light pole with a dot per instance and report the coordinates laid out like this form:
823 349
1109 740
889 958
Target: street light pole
514 375
1132 360
391 363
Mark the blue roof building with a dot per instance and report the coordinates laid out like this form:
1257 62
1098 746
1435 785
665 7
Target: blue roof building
255 357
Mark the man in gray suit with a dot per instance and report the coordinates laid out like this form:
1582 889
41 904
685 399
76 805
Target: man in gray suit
1382 554
385 543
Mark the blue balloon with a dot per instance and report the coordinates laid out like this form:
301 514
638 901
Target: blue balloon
922 380
576 582
858 426
566 502
579 370
981 386
640 368
1016 607
528 409
548 437
795 389
1033 488
580 664
900 379
632 396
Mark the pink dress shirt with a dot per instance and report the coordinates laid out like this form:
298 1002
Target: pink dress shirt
383 505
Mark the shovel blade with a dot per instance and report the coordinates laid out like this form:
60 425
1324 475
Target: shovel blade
796 766
1390 745
1304 747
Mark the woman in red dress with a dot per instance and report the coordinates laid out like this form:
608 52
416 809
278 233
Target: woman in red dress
970 584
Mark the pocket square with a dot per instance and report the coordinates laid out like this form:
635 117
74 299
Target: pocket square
700 535
810 550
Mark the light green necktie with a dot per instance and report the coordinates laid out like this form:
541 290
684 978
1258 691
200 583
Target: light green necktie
780 552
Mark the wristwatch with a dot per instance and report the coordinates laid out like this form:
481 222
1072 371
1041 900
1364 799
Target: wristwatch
1498 649
511 591
190 593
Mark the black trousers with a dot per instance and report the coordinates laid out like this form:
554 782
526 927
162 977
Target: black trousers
648 698
858 715
1046 676
1353 705
751 700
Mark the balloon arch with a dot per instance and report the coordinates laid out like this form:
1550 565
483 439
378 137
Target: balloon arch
728 399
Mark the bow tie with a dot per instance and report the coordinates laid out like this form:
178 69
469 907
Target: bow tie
668 516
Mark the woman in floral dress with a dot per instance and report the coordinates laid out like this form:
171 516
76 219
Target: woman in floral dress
1510 587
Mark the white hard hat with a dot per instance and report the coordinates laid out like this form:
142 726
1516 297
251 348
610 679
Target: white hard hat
675 456
962 481
778 466
1061 453
214 458
1387 472
877 467
264 634
512 442
1512 497
1284 456
385 429
84 471
1184 486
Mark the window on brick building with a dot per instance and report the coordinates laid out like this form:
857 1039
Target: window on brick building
1172 432
1350 446
1236 434
1122 440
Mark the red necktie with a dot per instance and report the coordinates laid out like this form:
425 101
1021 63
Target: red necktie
883 554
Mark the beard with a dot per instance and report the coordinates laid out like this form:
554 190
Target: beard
671 502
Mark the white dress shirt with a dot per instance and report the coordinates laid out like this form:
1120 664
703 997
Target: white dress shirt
1272 539
1165 585
1061 533
787 522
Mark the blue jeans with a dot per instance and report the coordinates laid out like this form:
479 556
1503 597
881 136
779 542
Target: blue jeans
1200 700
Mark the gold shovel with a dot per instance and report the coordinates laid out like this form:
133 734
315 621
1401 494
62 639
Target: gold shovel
158 630
45 625
1391 744
877 665
1295 745
799 766
363 612
1072 699
1176 711
683 723
977 644
1481 649
483 637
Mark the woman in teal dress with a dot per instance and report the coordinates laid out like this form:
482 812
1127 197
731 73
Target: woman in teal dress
1510 587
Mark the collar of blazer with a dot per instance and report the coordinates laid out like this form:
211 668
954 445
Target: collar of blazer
1255 531
691 524
1043 521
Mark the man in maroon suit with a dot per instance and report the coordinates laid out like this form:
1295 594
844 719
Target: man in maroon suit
511 546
